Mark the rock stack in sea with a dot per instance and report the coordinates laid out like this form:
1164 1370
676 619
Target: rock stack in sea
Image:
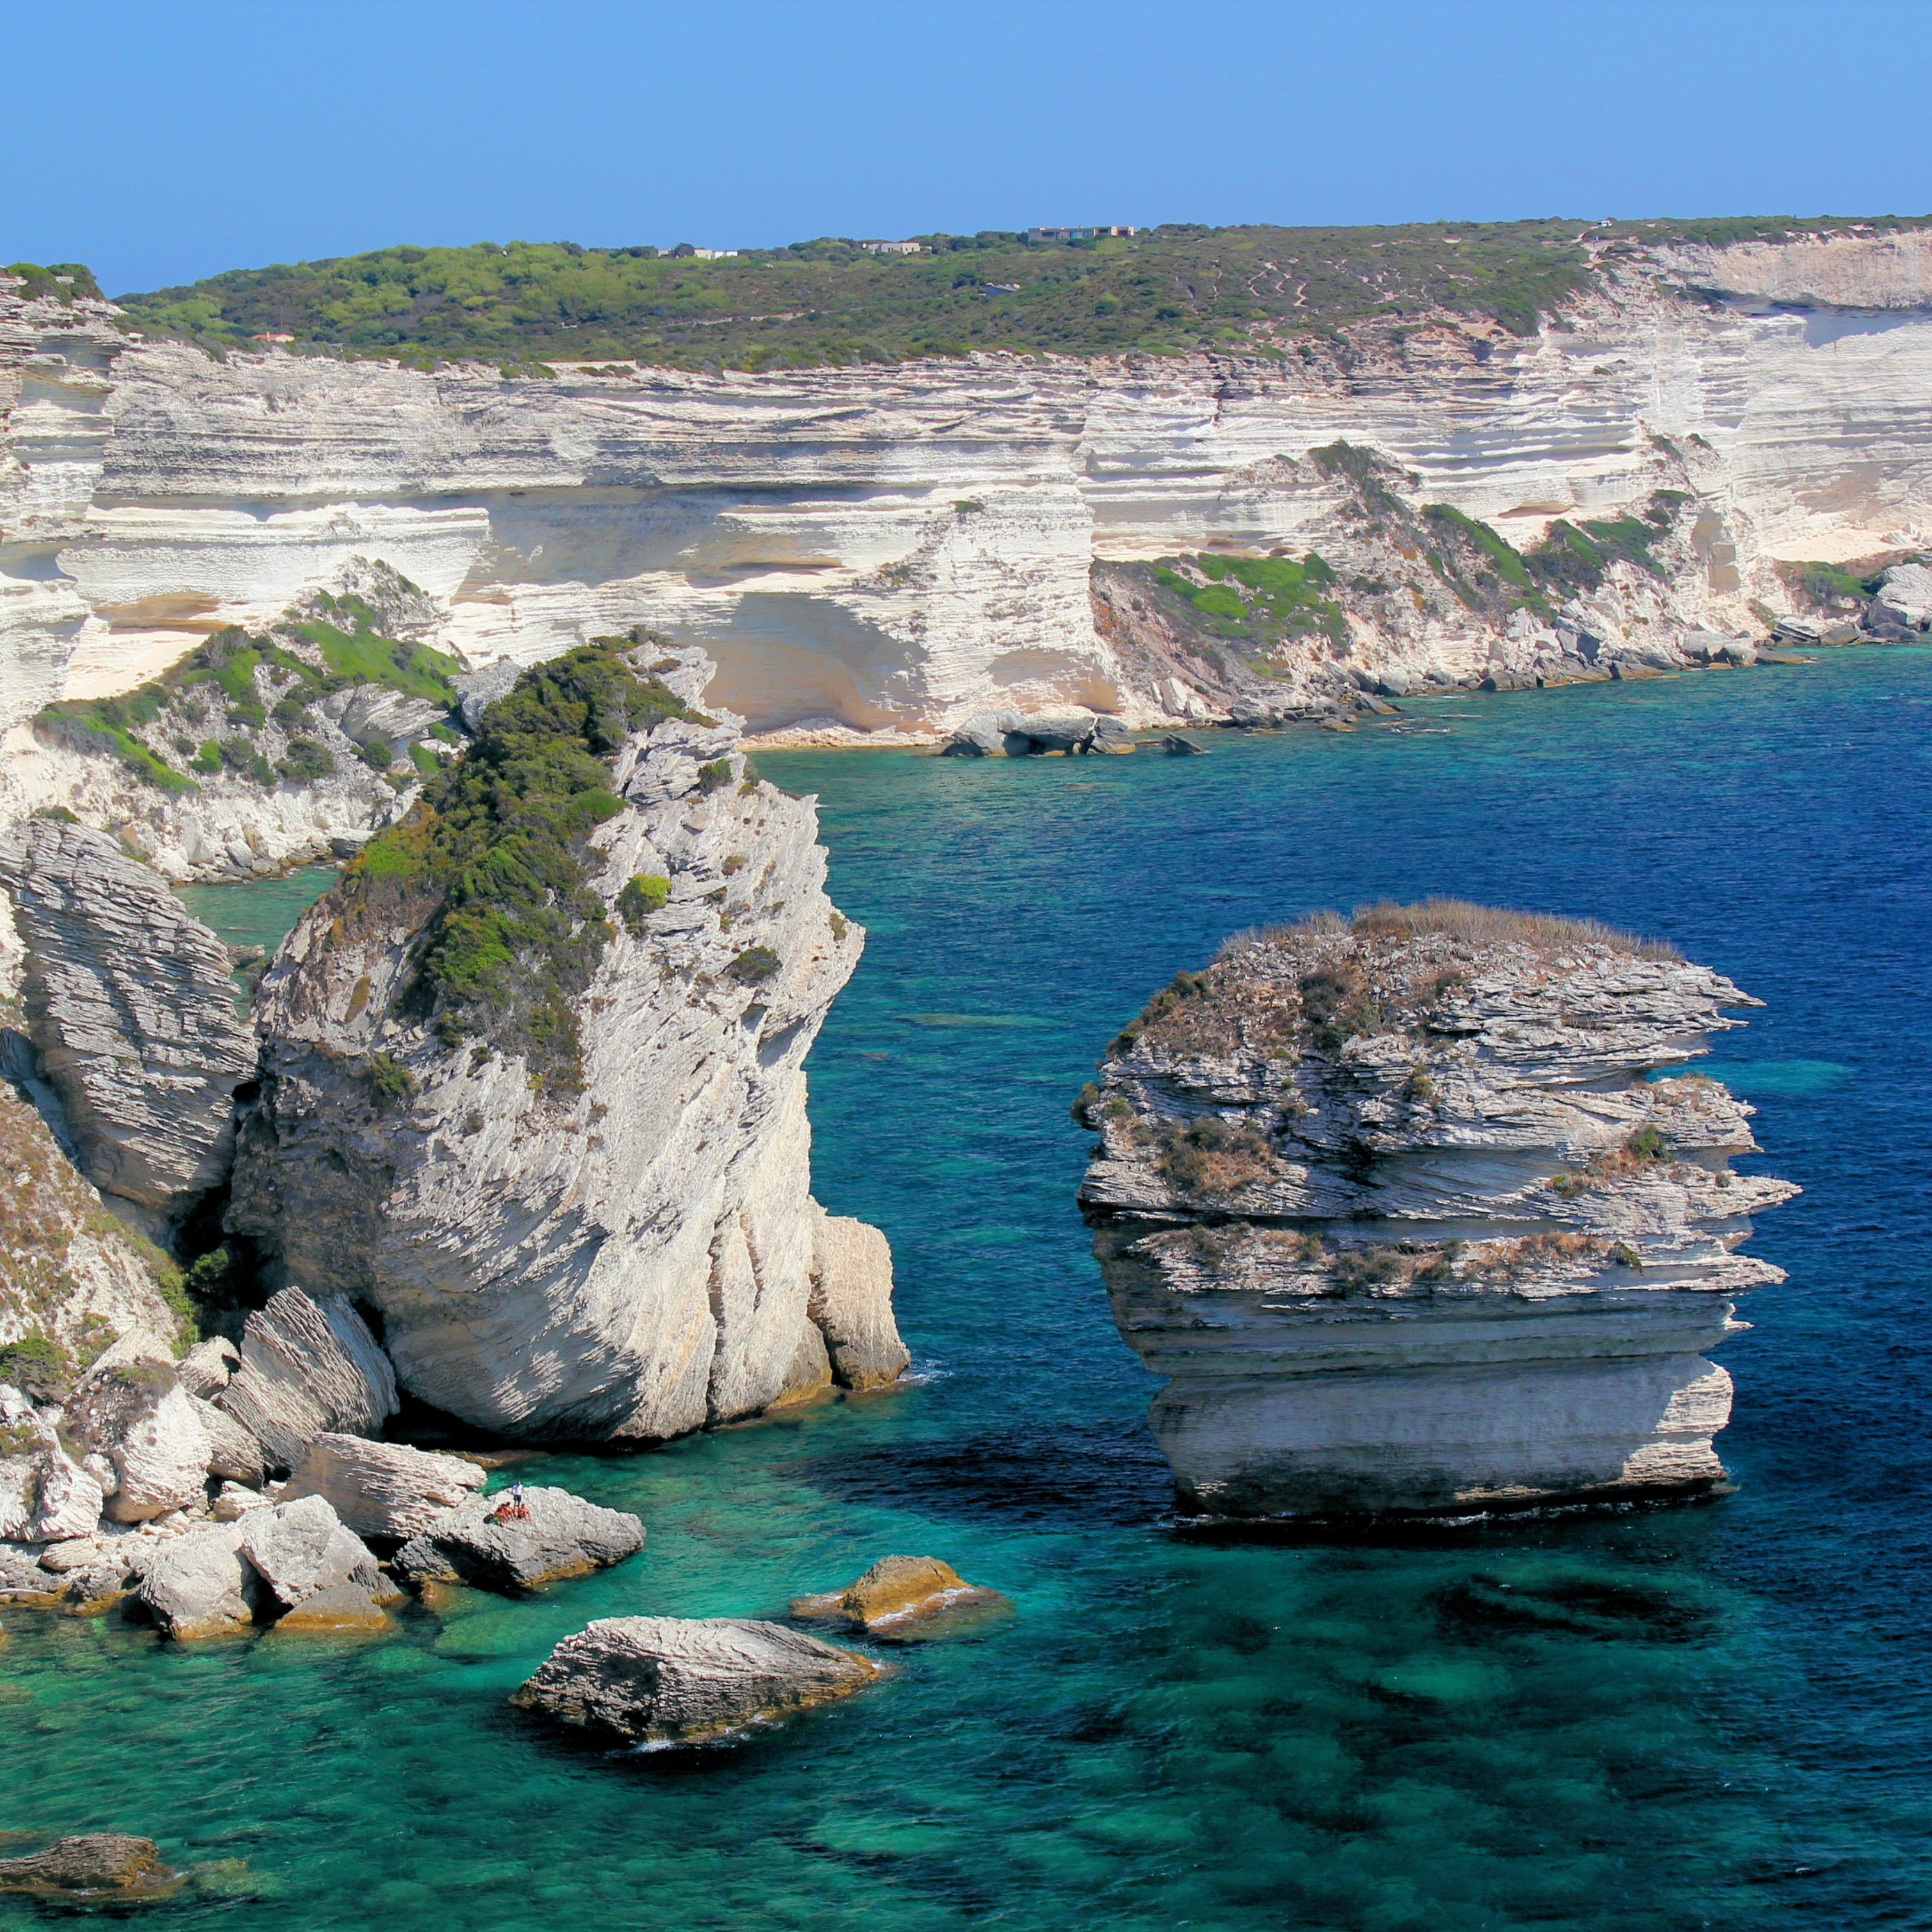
532 1079
1399 1207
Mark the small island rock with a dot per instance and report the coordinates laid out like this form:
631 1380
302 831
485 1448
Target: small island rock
681 1681
897 1591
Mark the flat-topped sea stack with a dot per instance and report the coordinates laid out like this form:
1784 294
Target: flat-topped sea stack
1398 1206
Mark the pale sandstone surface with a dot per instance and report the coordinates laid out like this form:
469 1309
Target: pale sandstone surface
682 1681
131 1012
892 548
636 1259
309 1366
383 1488
1398 1212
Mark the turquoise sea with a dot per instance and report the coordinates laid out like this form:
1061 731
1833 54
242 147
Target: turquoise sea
1716 1717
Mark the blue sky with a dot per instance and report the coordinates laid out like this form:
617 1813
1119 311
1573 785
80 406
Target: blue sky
161 143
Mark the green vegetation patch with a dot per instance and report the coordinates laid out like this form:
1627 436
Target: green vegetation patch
491 865
233 680
63 281
1574 557
646 893
1171 289
1258 601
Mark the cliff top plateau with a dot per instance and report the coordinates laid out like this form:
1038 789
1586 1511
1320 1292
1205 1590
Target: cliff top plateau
1163 291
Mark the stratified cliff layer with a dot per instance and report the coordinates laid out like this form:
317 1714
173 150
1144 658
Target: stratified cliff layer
892 548
532 1081
1397 1207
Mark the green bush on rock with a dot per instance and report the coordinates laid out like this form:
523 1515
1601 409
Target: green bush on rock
491 862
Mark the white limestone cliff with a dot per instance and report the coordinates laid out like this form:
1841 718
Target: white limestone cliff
634 1253
892 548
1396 1208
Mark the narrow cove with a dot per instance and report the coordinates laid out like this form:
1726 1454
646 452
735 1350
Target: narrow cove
1696 1717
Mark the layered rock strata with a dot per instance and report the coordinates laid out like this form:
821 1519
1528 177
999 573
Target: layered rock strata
1398 1208
595 1219
894 548
131 1013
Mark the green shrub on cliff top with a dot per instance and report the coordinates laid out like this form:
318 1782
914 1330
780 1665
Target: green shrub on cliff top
490 864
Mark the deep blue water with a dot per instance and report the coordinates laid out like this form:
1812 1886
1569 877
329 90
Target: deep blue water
1734 1735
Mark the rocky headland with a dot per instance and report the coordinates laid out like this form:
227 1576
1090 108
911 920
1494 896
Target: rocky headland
1399 1208
522 1135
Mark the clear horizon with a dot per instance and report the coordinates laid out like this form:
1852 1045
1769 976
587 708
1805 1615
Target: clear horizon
230 139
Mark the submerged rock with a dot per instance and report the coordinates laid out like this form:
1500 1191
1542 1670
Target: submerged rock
383 1488
1398 1209
899 1591
684 1681
309 1367
107 1866
132 1014
573 1173
486 1544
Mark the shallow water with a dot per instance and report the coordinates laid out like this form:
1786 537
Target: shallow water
1719 1716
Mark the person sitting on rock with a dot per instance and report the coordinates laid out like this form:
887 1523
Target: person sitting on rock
512 1508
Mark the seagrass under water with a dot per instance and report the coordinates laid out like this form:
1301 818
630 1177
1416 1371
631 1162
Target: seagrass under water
1719 1717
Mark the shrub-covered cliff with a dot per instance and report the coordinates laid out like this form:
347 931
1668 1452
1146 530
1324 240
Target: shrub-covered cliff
1400 1207
532 1081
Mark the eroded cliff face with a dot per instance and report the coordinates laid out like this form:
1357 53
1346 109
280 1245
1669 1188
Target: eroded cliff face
130 1012
1398 1209
575 1182
891 549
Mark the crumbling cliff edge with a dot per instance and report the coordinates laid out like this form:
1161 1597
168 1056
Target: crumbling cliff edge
1403 1209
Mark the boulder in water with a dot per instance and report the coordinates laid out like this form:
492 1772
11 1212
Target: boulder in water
107 1866
487 1544
684 1681
900 1591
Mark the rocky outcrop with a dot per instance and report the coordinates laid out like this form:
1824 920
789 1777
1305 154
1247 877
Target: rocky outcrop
1398 1209
291 1564
1014 734
899 1591
310 1366
78 1287
572 1172
520 1541
384 1489
850 1303
686 1681
131 1012
101 1868
202 1585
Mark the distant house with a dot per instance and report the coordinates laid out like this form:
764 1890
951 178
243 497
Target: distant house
266 337
689 253
890 247
1035 236
1003 288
